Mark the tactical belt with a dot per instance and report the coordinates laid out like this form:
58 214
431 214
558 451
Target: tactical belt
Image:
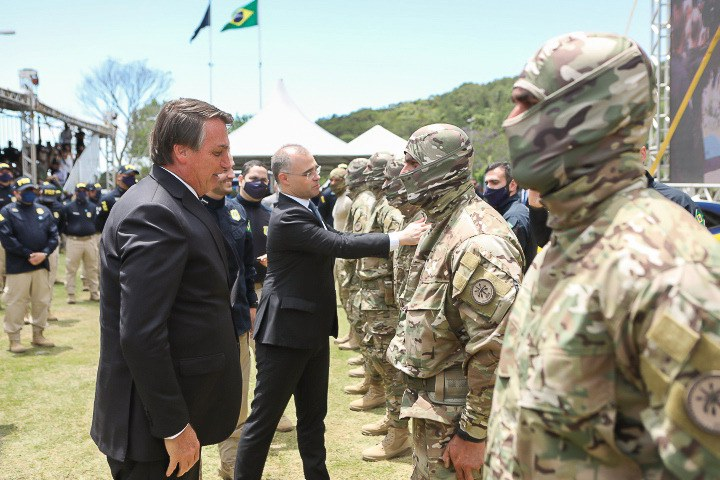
449 387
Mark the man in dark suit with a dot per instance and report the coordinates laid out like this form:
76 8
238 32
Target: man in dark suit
297 314
169 374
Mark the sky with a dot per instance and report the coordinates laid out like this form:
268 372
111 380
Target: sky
335 56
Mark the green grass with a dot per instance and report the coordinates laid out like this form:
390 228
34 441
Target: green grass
46 400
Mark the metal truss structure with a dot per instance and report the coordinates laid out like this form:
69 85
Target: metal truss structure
660 57
28 104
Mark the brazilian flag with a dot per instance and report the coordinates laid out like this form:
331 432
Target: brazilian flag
246 16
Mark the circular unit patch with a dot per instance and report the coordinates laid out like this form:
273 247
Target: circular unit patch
703 402
483 292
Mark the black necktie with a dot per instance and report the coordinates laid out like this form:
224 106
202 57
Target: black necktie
316 212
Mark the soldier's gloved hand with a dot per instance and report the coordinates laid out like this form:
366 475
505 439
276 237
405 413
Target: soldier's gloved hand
412 233
466 457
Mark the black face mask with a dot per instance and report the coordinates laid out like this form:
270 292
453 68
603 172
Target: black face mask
496 196
6 177
82 196
256 189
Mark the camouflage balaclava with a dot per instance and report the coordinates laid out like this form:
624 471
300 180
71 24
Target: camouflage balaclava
355 178
338 173
443 152
394 189
375 171
595 95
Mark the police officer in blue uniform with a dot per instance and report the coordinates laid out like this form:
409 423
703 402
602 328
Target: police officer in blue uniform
326 204
6 196
501 193
29 235
50 197
126 177
233 222
80 216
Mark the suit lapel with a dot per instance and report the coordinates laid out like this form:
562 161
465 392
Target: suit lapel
193 205
288 203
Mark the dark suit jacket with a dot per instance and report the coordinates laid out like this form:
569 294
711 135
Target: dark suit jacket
168 351
298 305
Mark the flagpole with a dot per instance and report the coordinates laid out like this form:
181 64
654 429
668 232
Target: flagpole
259 66
210 64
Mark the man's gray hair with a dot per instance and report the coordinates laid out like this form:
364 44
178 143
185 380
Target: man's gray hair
282 159
181 122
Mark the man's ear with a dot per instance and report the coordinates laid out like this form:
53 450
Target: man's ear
513 187
180 153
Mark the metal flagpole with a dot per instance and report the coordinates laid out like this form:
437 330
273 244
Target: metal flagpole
210 64
259 65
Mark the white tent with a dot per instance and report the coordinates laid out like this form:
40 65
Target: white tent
379 139
281 122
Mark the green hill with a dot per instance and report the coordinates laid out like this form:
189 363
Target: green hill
478 109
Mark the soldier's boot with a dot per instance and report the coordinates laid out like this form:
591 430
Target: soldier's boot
71 299
344 339
374 398
94 297
351 344
284 425
354 361
377 428
358 372
39 339
51 317
15 345
395 444
359 388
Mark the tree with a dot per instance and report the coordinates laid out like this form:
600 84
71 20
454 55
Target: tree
122 89
140 128
238 122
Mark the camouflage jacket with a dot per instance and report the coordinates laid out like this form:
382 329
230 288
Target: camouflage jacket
376 274
463 279
357 221
402 259
610 367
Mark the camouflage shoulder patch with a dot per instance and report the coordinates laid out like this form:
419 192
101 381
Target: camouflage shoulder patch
703 402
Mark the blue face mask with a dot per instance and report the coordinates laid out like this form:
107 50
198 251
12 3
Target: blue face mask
256 189
28 196
6 177
496 196
129 180
81 195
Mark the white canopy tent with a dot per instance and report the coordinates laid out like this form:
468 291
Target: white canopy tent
379 139
281 122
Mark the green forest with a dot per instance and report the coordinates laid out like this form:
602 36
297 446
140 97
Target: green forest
478 109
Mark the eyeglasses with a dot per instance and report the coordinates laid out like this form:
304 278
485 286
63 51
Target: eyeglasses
308 174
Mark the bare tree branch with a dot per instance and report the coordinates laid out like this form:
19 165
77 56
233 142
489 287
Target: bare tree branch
122 88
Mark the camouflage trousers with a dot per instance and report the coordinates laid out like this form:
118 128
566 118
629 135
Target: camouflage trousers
429 441
357 323
379 331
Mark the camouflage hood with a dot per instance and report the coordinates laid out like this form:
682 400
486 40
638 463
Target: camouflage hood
444 153
596 99
375 171
395 191
338 173
355 178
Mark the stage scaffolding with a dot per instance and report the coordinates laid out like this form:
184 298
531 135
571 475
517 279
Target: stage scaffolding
28 105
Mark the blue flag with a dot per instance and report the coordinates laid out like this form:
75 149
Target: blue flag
205 23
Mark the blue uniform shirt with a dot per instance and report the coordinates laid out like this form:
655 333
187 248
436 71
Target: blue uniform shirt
25 229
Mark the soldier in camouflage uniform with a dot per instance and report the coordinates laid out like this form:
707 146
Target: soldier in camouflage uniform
379 313
610 367
461 284
345 268
358 219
